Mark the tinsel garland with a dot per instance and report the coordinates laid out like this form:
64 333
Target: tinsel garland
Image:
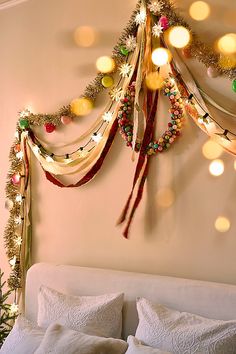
197 49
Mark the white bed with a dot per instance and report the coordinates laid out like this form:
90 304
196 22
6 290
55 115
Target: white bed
212 300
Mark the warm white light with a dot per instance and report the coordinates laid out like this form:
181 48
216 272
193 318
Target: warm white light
154 81
19 198
12 262
216 167
49 159
81 106
165 197
199 10
36 149
84 36
211 150
97 137
179 36
222 224
227 43
161 56
19 155
107 116
105 64
83 153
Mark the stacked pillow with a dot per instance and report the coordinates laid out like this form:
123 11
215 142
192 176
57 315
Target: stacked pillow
70 324
92 325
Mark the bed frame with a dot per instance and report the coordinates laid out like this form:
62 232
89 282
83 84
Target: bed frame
207 299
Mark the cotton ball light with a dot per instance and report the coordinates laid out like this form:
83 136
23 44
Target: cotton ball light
81 106
154 81
105 64
199 10
222 224
216 167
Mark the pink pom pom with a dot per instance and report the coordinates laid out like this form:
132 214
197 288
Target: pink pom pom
49 127
66 120
164 22
16 179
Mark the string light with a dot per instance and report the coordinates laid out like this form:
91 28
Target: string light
224 135
154 81
97 137
107 117
216 167
83 153
19 198
81 106
222 224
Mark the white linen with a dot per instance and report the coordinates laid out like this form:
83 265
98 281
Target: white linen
136 347
24 338
94 315
61 340
182 332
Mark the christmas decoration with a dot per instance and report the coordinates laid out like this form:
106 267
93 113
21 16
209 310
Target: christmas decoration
8 312
142 66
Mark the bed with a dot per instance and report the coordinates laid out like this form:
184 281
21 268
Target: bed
80 310
208 299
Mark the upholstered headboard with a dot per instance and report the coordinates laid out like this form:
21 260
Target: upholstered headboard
211 300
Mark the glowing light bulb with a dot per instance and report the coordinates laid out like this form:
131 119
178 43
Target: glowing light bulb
154 81
19 198
211 150
97 137
161 56
84 36
165 197
105 64
179 36
20 155
227 43
49 158
222 224
83 153
36 149
107 116
216 167
199 10
12 262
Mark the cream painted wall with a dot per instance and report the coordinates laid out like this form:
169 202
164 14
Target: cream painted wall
41 66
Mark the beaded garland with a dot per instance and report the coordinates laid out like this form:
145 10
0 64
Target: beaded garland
174 126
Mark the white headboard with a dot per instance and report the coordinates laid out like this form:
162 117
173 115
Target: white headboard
211 300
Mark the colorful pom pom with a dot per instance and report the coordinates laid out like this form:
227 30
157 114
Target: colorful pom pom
49 127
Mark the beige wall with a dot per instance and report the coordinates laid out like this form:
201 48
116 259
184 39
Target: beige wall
41 66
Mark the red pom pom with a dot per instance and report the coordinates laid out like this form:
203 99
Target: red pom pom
164 22
49 127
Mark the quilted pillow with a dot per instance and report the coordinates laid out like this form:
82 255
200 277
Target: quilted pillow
60 340
95 315
136 347
182 332
24 337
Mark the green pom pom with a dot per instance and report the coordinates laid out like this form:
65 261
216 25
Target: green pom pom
234 85
23 124
124 51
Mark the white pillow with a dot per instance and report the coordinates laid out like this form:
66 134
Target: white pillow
95 315
61 340
136 347
24 337
182 332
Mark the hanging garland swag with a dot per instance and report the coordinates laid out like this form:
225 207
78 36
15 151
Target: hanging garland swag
123 113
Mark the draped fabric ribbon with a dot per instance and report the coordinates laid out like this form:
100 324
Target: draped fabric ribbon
186 81
142 164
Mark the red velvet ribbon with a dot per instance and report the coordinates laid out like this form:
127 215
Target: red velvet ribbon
96 167
143 158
